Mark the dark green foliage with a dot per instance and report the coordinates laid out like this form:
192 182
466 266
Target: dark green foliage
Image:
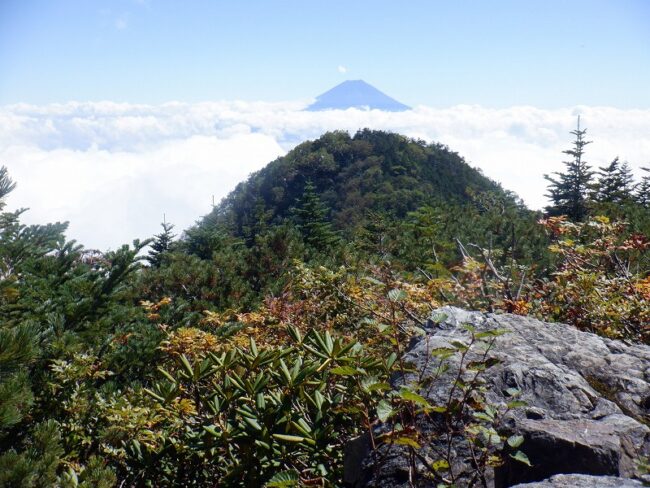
18 348
36 464
94 475
310 216
264 411
372 171
643 189
271 256
569 192
615 183
426 241
198 284
161 245
336 188
56 301
83 333
618 197
18 341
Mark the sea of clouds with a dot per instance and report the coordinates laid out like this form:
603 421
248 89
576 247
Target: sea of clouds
114 169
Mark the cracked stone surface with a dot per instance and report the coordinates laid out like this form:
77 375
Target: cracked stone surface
582 481
588 401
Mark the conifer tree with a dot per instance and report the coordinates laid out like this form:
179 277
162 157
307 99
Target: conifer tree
311 220
161 244
17 342
569 192
643 189
258 222
615 183
6 186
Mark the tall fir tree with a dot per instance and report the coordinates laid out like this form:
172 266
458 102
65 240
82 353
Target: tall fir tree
161 244
18 339
311 219
569 192
615 183
643 189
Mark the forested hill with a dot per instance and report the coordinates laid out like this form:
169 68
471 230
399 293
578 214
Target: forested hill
252 351
370 171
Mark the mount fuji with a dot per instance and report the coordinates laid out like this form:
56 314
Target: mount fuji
356 94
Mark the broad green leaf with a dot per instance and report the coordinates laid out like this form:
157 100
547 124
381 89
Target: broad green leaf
460 346
153 395
295 334
521 457
284 479
491 333
397 295
289 438
483 416
491 411
329 342
260 402
443 352
411 396
167 375
517 404
187 366
384 328
262 444
476 366
406 441
384 411
344 371
515 441
513 392
439 318
211 430
303 426
253 423
285 372
440 465
492 439
391 360
372 280
319 399
378 387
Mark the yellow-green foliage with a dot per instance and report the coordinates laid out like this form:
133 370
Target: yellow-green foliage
598 285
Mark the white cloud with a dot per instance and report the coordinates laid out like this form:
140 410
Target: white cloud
342 69
113 169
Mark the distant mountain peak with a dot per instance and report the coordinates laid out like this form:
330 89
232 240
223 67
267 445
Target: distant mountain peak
356 94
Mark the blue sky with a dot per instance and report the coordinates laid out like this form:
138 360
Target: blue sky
113 113
547 53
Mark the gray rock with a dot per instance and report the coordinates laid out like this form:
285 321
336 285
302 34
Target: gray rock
587 397
582 481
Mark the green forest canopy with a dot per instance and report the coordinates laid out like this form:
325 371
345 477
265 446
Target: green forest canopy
115 372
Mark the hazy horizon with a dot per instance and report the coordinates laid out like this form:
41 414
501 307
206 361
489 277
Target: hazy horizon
177 103
113 170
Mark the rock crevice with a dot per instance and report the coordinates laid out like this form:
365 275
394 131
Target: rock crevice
586 397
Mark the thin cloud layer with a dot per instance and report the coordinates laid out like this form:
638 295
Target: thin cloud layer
114 169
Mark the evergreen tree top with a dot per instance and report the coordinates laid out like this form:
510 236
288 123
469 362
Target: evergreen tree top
161 244
615 183
569 192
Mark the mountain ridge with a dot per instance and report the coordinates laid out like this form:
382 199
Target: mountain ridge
356 94
353 175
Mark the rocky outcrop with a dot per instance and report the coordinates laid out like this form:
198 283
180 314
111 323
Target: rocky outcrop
587 404
583 481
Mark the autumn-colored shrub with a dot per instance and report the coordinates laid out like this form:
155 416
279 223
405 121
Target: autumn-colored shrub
599 284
